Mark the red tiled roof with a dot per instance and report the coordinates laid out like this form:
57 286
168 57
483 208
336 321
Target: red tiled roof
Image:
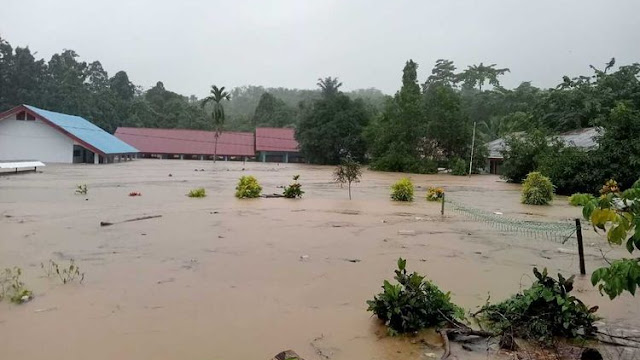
276 139
188 142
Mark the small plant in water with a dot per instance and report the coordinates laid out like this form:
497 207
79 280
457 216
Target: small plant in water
294 190
537 189
12 287
82 189
66 274
197 193
413 304
435 194
347 172
402 190
248 187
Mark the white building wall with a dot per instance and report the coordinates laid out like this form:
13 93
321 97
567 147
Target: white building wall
33 140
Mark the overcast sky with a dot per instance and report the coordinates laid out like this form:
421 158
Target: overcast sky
191 44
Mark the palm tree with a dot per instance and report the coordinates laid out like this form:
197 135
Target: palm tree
329 85
217 115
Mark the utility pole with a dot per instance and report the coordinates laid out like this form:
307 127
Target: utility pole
473 145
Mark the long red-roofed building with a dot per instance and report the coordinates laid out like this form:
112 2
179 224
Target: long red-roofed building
268 144
277 144
188 144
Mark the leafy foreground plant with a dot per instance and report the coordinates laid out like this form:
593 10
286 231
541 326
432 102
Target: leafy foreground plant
248 187
579 199
197 193
617 213
537 189
402 190
12 287
413 304
65 274
435 194
294 190
542 312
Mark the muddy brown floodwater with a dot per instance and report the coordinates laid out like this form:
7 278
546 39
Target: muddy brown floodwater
222 278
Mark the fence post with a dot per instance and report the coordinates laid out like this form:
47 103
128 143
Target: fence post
583 271
442 209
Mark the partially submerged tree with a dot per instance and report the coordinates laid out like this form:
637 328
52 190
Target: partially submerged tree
217 114
348 172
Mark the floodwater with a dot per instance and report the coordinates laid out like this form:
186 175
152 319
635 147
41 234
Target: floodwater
222 278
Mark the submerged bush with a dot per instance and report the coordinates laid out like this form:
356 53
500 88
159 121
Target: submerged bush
459 167
537 189
579 199
402 190
248 187
435 194
542 312
294 190
82 189
197 193
413 304
12 287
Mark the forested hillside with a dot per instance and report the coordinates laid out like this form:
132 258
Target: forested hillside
65 83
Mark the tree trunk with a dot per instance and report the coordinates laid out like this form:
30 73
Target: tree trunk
215 148
349 190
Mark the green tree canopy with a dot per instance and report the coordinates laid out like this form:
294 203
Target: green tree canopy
332 126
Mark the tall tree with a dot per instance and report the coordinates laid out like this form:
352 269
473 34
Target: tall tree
331 127
397 136
217 114
272 111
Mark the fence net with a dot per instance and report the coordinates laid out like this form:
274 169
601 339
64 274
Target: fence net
560 232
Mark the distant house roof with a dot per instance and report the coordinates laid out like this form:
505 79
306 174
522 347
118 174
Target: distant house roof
276 139
188 142
580 138
79 129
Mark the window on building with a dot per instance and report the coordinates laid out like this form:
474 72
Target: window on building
23 115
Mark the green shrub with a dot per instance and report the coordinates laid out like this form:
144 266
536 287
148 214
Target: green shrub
435 193
537 189
542 312
197 193
402 190
248 187
413 304
82 189
294 190
580 199
459 167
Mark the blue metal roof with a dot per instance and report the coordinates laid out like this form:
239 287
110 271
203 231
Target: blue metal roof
84 130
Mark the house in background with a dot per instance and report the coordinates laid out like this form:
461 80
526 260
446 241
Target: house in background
277 145
581 138
29 133
188 144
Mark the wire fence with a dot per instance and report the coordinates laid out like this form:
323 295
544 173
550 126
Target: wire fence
560 232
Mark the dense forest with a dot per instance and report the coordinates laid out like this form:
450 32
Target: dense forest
427 124
67 84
